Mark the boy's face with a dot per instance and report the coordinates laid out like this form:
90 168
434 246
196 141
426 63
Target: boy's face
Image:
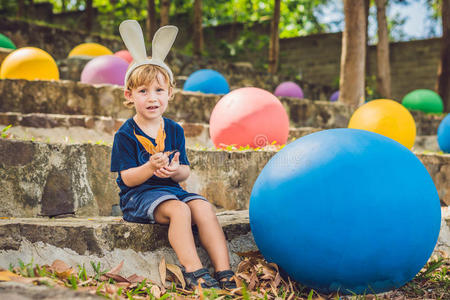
151 100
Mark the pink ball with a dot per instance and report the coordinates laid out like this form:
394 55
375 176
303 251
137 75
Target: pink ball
105 69
248 116
124 54
289 89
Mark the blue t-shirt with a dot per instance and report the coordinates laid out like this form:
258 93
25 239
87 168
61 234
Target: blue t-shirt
128 152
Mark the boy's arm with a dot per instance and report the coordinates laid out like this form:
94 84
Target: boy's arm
138 175
182 173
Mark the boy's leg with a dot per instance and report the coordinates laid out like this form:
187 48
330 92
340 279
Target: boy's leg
178 215
210 233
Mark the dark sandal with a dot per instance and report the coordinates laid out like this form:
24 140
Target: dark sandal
229 283
192 278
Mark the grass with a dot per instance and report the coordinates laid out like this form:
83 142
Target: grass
257 280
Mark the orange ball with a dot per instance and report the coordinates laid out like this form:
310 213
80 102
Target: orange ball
248 116
388 118
29 63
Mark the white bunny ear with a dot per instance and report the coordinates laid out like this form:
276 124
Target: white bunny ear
163 41
132 36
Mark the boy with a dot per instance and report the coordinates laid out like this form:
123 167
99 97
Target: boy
150 157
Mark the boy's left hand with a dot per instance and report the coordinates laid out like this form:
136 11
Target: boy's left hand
171 169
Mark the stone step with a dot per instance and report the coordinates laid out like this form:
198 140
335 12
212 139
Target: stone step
54 128
108 240
54 179
74 98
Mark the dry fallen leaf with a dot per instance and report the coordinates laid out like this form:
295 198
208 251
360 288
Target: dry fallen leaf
116 269
162 271
61 269
136 278
111 289
116 277
177 272
6 275
156 291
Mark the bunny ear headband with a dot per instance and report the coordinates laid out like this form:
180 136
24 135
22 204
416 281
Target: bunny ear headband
132 36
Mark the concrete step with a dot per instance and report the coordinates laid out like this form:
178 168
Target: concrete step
54 128
108 240
68 97
74 98
53 179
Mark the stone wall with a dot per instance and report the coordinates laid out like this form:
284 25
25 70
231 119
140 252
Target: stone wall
317 58
54 179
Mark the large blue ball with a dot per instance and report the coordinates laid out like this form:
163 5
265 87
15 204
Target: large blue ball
207 81
443 134
346 210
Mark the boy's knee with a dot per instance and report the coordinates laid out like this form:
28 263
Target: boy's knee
172 209
179 209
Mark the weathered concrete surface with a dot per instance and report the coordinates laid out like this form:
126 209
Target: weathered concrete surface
108 240
53 179
426 143
439 168
68 97
426 124
4 52
56 128
23 291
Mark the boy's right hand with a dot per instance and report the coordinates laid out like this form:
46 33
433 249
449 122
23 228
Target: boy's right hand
158 160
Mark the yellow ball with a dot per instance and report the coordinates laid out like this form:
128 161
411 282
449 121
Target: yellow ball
386 117
29 63
90 49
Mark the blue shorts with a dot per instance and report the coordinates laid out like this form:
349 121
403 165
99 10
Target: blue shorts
140 206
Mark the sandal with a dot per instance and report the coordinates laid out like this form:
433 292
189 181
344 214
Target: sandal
192 278
227 284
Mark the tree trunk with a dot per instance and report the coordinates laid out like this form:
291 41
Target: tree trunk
20 8
30 9
351 84
89 15
274 46
367 63
198 30
443 83
164 12
63 5
151 19
383 65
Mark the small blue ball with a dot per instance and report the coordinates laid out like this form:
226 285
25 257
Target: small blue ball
443 134
207 81
346 210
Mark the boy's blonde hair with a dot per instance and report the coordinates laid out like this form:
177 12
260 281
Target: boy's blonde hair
144 75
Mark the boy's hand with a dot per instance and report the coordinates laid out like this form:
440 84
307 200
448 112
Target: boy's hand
169 170
159 160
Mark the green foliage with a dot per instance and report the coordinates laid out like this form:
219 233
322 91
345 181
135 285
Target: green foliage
297 17
97 271
5 134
